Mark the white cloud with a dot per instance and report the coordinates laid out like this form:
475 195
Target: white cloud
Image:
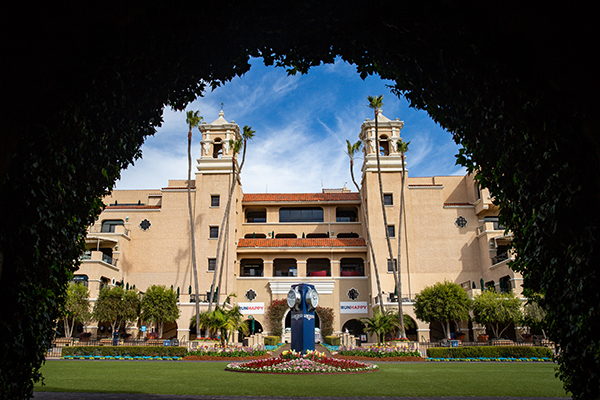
301 124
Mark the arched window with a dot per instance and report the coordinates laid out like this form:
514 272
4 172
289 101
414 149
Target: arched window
318 267
384 146
346 214
256 215
217 148
108 226
285 267
251 267
352 267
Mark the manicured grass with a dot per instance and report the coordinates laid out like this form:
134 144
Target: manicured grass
210 378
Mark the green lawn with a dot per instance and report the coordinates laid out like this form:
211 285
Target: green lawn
210 378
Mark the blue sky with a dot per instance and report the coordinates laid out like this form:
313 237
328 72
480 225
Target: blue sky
301 123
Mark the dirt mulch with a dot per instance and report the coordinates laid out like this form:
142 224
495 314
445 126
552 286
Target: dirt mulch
383 359
232 359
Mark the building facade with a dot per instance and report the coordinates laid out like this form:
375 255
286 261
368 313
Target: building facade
449 231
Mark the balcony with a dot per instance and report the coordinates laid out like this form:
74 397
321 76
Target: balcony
92 256
118 229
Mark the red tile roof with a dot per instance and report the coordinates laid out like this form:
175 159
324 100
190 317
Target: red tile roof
458 204
117 207
299 197
302 242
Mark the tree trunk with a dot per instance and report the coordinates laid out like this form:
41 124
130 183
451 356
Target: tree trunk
370 242
399 278
192 237
385 223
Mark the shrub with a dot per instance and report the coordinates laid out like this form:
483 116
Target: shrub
326 317
275 313
333 340
271 340
122 351
490 352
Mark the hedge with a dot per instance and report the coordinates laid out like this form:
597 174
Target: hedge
271 340
333 340
490 352
122 351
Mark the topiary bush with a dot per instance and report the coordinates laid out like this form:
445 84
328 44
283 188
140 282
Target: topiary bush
271 340
118 351
490 352
333 340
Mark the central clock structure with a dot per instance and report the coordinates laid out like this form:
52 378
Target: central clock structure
303 299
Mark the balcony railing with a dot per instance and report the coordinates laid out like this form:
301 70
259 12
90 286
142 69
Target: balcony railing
109 229
499 258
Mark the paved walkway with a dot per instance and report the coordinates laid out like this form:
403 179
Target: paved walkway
128 396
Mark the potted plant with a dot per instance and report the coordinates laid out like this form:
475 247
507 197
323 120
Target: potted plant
483 338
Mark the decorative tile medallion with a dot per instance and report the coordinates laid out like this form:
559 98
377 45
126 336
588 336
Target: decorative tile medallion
145 225
353 294
461 222
250 295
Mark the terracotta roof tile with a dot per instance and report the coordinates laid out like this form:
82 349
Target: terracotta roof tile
302 242
464 204
117 207
299 197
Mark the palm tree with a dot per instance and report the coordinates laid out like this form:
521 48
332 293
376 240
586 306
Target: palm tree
402 148
236 146
352 150
193 119
376 103
380 323
222 321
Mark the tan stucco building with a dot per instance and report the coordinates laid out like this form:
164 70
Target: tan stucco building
449 231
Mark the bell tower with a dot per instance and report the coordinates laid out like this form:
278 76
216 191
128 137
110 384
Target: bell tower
217 155
391 173
389 134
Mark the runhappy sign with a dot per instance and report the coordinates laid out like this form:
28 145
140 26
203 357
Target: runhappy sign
353 307
252 308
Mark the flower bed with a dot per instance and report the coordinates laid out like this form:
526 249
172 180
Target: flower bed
380 351
291 362
226 352
139 358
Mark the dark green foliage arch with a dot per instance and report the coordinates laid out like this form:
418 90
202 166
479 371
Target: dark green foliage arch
514 84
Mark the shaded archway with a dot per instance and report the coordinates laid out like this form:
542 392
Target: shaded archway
354 327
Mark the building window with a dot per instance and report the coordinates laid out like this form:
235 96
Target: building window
214 232
505 284
352 267
391 231
285 267
81 279
215 200
212 263
346 214
388 199
256 216
391 265
318 267
346 235
108 226
301 214
252 268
